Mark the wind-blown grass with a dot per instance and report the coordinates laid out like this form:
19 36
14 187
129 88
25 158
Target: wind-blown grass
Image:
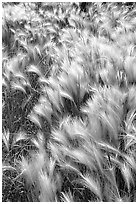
69 102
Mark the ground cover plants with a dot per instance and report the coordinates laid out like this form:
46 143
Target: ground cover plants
69 102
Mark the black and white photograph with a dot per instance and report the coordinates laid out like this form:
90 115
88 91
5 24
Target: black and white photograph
68 101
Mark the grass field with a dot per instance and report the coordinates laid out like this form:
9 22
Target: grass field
69 102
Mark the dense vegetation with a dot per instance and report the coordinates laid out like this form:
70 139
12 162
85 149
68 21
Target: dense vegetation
69 102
